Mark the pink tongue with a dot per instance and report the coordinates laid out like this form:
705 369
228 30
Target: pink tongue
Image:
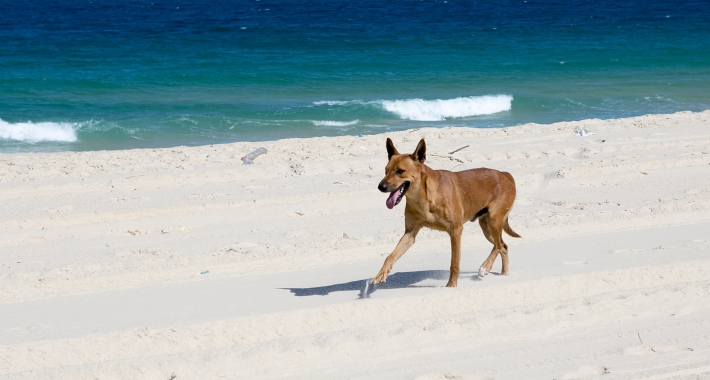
392 198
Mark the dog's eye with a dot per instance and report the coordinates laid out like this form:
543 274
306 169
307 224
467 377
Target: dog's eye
399 171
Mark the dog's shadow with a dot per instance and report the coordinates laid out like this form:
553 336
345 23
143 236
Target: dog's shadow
398 280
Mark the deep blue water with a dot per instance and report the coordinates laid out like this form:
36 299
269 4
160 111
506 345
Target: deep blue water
84 75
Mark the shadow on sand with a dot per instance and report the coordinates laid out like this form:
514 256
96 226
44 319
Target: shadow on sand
398 280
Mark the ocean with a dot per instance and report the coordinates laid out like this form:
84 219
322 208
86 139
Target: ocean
98 74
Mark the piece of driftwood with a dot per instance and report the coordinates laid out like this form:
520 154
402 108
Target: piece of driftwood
463 147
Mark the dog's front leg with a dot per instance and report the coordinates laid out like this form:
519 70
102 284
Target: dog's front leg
455 236
404 243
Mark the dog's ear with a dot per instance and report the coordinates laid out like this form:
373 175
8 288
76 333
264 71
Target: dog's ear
420 153
391 150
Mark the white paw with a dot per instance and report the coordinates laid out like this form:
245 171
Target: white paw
482 272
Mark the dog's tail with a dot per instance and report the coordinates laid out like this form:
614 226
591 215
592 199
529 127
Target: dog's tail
508 230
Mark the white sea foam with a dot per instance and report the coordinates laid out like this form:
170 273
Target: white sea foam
35 132
441 109
434 110
330 123
335 102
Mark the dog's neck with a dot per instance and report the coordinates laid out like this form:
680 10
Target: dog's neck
417 193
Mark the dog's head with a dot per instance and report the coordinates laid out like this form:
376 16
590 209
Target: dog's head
402 172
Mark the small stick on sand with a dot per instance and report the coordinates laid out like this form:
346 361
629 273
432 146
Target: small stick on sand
463 147
639 334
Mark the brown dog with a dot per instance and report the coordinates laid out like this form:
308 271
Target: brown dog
444 201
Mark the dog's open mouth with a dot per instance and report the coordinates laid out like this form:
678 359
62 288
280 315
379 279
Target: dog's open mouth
396 196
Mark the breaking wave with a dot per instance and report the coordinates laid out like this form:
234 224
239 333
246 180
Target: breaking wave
36 132
433 110
438 110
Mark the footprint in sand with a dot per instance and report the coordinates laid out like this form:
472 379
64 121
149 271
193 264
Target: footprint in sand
450 376
586 371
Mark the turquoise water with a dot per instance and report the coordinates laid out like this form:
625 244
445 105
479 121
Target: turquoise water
87 75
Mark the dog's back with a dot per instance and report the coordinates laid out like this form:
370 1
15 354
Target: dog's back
483 188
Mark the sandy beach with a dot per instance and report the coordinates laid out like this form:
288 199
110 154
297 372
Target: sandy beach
184 263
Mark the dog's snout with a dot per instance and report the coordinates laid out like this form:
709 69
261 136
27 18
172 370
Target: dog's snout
382 187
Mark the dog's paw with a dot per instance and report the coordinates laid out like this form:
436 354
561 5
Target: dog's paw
379 279
482 272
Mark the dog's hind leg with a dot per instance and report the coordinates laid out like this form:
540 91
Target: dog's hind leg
483 221
404 244
495 236
504 259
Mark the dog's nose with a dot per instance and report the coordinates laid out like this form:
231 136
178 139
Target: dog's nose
382 187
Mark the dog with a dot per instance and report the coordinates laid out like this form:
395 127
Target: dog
444 200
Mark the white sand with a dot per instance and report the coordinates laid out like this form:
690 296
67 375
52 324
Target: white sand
144 264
